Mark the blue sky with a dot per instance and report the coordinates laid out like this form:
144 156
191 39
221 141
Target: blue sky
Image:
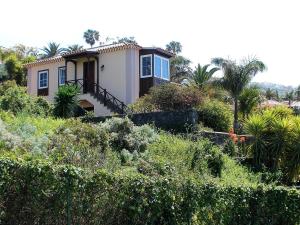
206 28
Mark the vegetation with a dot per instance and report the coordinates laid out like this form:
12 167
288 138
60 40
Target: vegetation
276 144
237 77
74 48
249 100
53 49
91 36
66 101
216 115
201 76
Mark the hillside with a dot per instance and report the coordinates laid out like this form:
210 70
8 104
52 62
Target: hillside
282 89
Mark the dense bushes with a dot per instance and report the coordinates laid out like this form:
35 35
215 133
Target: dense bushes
14 99
216 115
34 192
276 144
168 97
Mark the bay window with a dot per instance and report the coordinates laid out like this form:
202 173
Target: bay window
161 67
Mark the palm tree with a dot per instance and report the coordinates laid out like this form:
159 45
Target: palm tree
202 75
91 36
180 68
270 94
73 48
237 77
289 96
249 99
174 46
51 50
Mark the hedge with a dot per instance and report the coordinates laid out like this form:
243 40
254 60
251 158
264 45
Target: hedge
35 192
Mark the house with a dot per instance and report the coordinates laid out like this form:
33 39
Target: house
109 76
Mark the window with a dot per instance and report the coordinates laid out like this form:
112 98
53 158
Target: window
157 66
61 75
146 66
43 79
161 67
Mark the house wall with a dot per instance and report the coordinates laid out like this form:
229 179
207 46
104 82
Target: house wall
32 78
120 75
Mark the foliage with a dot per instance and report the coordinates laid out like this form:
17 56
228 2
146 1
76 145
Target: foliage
169 97
74 48
91 36
179 68
216 115
125 136
249 100
237 77
129 40
143 105
105 198
78 144
276 144
14 98
270 94
53 49
201 76
66 101
175 47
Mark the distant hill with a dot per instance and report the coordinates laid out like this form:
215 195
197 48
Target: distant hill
282 89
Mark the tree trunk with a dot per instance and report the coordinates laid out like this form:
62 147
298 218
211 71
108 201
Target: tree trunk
235 123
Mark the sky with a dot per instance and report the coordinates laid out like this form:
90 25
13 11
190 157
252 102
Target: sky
267 29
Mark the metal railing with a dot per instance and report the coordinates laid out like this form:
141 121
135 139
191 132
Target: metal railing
101 94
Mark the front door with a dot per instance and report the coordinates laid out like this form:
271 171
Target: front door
89 77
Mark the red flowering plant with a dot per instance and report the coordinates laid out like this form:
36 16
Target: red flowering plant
235 144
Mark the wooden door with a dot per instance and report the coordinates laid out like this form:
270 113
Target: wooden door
89 77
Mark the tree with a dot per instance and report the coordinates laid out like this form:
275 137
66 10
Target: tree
129 40
91 36
180 68
236 77
51 50
249 99
289 96
14 69
202 75
270 94
66 101
73 48
175 47
23 51
298 93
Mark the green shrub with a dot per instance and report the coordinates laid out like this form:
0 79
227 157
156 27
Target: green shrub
216 115
168 97
276 141
124 135
78 143
66 101
36 192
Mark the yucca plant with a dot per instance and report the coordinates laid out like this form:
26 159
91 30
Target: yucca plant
292 156
256 125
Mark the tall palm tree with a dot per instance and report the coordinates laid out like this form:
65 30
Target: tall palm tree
174 46
270 94
202 75
91 36
290 96
73 48
51 50
180 68
237 77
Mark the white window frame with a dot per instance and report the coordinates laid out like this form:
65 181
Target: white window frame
39 80
161 67
141 66
59 74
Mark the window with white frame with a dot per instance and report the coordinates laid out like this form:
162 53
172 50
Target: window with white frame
161 67
43 79
61 75
146 66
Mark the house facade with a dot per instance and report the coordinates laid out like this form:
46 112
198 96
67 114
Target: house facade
109 77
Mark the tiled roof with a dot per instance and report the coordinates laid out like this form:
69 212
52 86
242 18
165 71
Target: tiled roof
100 49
